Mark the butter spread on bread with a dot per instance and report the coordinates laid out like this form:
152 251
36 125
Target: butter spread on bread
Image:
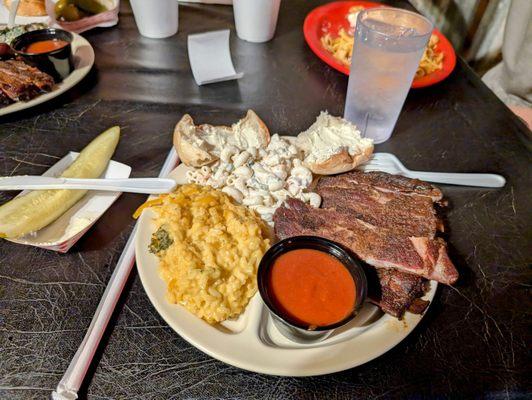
199 145
333 145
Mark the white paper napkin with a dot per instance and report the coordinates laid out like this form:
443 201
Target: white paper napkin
210 57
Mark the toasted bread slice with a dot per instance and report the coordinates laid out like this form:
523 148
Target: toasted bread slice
333 145
29 8
195 145
199 145
250 131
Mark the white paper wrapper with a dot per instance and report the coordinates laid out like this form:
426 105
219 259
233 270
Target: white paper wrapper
210 57
102 20
64 232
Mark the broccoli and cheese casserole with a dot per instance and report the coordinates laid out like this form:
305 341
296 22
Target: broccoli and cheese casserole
209 249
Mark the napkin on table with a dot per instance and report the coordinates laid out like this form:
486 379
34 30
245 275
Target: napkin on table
210 57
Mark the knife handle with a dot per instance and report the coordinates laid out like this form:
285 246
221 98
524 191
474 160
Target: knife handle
130 185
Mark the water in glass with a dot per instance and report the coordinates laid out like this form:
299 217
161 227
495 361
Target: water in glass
388 46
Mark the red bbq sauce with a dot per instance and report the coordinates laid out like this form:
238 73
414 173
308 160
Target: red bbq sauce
311 287
44 46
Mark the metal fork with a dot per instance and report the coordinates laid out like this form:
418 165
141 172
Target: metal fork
389 163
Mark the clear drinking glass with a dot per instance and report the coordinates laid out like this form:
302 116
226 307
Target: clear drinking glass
388 46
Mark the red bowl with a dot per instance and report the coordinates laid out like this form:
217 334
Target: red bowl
332 16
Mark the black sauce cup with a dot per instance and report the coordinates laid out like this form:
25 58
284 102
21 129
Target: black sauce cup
295 330
58 63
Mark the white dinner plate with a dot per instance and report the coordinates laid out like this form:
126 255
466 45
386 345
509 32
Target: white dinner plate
253 342
83 62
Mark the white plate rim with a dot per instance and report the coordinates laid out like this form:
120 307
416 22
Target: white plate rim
83 65
210 340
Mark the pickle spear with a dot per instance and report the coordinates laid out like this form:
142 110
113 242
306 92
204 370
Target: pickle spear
90 6
39 208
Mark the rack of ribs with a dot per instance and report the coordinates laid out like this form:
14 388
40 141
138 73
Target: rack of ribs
22 82
388 221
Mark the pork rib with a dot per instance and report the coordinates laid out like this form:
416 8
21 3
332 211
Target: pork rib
41 80
404 215
377 246
19 81
395 292
385 183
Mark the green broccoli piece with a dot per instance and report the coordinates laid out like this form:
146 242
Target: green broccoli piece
160 241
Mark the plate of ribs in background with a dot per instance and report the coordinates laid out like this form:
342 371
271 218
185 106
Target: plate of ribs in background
22 82
23 86
389 222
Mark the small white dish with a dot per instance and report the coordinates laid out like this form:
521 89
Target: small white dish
253 343
83 62
64 232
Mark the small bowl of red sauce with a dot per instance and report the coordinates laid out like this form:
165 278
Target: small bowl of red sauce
49 50
311 286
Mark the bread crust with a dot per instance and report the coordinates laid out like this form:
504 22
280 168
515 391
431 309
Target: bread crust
194 156
29 8
341 162
263 129
189 154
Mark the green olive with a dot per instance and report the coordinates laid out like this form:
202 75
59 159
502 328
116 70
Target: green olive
59 7
90 6
71 13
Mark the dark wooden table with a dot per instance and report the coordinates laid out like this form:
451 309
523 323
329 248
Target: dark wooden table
474 340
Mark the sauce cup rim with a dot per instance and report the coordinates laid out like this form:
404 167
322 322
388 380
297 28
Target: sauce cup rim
53 32
314 243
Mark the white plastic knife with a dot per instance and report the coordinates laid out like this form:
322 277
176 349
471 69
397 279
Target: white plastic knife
130 185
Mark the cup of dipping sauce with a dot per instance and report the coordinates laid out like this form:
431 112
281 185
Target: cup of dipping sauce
49 50
311 286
